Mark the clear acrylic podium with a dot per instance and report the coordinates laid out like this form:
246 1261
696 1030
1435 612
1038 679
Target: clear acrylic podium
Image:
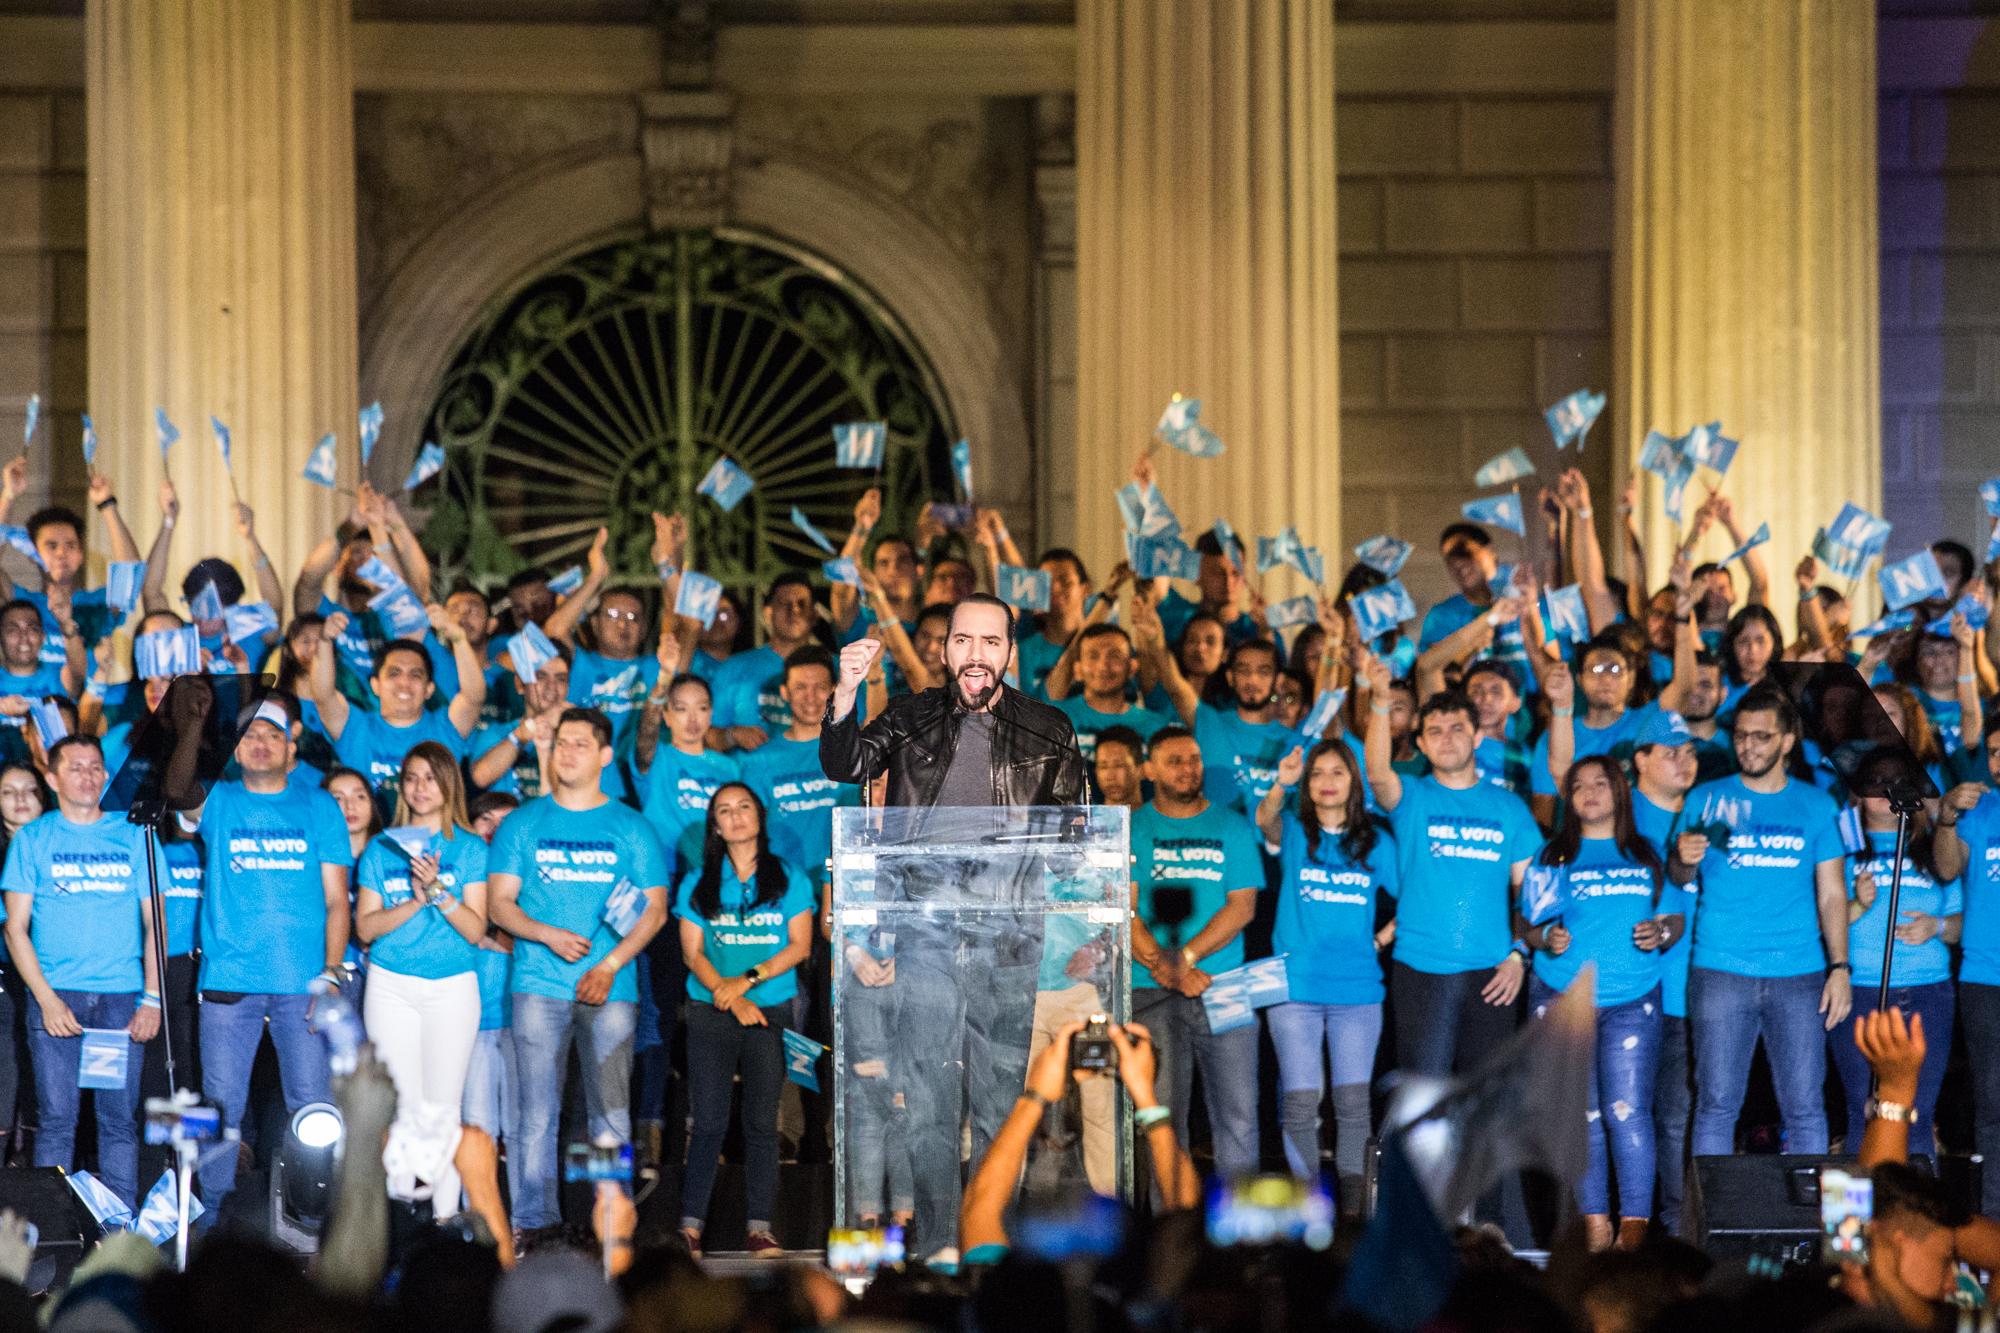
958 934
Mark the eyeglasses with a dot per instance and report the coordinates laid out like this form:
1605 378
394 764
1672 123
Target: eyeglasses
1606 668
1759 737
609 613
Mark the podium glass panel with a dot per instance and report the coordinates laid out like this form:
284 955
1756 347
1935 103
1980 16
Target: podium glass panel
962 937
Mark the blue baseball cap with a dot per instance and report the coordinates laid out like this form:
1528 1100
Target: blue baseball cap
1664 728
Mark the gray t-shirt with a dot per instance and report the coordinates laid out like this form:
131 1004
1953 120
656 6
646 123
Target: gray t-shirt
969 780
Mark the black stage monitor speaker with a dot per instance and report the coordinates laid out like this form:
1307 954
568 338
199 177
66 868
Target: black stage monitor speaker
1761 1205
67 1230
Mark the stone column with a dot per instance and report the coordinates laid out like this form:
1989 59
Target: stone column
1746 284
221 158
1205 254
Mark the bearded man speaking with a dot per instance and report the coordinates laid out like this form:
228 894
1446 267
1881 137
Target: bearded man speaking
963 967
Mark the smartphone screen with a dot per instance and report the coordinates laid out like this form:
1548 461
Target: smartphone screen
1846 1206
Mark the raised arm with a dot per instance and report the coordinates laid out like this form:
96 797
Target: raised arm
1635 550
1149 637
268 586
843 602
313 574
1560 687
471 697
105 501
326 696
1969 709
153 588
74 665
1673 695
1598 602
1753 560
1813 631
1271 810
982 1211
409 551
1379 750
562 622
1062 675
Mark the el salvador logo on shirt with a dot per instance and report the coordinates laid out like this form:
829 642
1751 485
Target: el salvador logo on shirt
277 849
1466 839
802 794
1317 884
91 872
569 861
1766 847
1188 858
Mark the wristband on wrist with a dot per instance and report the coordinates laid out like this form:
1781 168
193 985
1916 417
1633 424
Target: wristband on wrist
149 1001
107 502
1842 966
1380 710
1030 1095
1148 1116
1967 679
666 569
1569 711
1584 512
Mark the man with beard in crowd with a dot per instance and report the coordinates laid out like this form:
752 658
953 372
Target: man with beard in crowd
967 980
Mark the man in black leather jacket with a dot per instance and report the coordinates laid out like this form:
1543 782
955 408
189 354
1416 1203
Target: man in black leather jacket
951 998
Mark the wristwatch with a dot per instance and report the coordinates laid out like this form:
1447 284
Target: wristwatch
754 973
1896 1113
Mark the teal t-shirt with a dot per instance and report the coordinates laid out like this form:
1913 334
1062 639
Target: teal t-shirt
426 945
87 881
1456 849
799 800
1659 826
1210 855
1615 740
1036 657
1089 723
569 862
1916 964
746 691
1979 941
1600 897
181 887
1758 911
1240 759
674 793
263 906
736 940
1326 915
375 748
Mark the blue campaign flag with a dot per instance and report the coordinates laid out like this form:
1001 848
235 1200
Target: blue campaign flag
818 538
1291 611
102 1203
624 907
1504 468
1227 1001
1844 560
802 1055
1757 538
221 440
726 484
412 840
1566 614
567 582
1989 495
122 582
206 604
1024 589
1164 557
530 651
1544 892
248 621
106 1055
430 462
1992 544
167 652
1706 446
166 430
1889 624
160 1212
34 420
699 597
1381 609
1231 544
1676 496
1268 981
1572 417
843 570
1180 425
1853 838
1325 705
1384 553
1146 512
323 463
1856 527
402 612
18 538
371 431
1502 511
859 444
89 442
375 572
1969 606
1911 580
48 720
1287 548
1659 455
961 467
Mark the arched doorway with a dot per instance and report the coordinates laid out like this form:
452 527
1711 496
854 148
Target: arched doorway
607 386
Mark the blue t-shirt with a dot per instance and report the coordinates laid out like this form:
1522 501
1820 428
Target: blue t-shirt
1916 964
426 945
1211 854
1326 915
496 1000
522 778
1758 911
1599 898
619 690
674 793
1660 826
1089 724
569 862
1239 759
1979 828
1615 740
1036 656
93 617
38 684
799 800
1176 611
1456 850
87 881
736 940
746 692
375 748
1454 613
1948 719
181 887
263 906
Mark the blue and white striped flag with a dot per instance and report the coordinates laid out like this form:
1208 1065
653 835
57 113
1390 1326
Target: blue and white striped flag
221 440
1911 580
1164 557
802 1055
1291 611
1381 609
726 484
1856 527
160 1213
1567 616
1706 446
1146 512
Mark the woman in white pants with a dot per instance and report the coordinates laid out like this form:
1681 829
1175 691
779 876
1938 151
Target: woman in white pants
422 911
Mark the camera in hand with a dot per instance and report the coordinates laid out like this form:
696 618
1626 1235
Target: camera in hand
589 1163
1092 1049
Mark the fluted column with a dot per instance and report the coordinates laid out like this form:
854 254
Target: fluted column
1205 253
1746 255
221 144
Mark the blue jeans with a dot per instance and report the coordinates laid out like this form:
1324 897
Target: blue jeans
1348 1033
493 1086
1228 1063
1936 1003
876 1138
1673 1110
1442 1025
719 1051
230 1034
1626 1059
543 1027
1729 1013
57 1098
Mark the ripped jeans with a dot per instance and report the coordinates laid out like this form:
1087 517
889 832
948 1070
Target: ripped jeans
1621 1102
